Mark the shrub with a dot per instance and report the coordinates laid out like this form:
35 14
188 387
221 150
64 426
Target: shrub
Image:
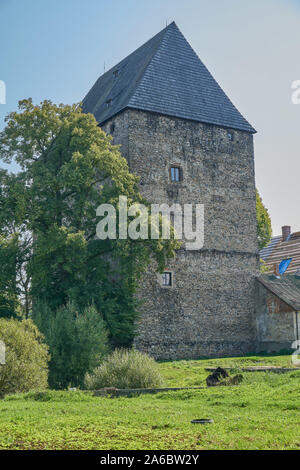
125 369
26 357
77 342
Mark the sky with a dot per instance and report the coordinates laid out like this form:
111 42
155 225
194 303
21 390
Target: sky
56 49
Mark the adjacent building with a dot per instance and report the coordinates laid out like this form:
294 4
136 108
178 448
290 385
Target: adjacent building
285 247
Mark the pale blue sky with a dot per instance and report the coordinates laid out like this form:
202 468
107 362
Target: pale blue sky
56 49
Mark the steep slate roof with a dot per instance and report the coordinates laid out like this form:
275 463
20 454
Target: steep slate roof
287 288
278 250
164 76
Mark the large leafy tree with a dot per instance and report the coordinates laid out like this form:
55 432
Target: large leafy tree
68 168
8 286
15 245
264 226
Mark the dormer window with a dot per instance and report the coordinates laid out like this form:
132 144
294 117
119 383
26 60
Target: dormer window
116 73
175 173
108 103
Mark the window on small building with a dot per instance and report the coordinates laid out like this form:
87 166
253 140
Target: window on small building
112 128
108 103
230 136
167 279
116 73
175 174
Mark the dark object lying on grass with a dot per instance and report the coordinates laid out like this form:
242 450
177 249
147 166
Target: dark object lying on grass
237 379
220 377
202 421
215 378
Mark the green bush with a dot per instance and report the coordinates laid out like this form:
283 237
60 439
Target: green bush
77 342
26 357
125 369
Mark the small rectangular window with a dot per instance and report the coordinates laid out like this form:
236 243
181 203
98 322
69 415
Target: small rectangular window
115 73
108 103
167 279
175 173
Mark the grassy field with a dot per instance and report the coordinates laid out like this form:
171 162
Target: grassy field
261 413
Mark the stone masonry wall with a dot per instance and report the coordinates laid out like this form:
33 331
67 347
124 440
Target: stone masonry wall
209 311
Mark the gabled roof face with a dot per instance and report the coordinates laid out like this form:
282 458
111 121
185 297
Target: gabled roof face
164 76
287 288
279 250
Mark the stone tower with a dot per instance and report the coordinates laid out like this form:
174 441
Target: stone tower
189 144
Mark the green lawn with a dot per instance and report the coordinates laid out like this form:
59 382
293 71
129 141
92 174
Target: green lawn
261 413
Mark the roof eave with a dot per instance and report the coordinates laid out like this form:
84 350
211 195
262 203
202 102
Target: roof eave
139 108
294 305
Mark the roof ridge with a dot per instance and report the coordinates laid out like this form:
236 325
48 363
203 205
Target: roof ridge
116 66
130 96
167 28
207 70
89 106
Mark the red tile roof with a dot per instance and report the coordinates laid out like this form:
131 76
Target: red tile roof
279 250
